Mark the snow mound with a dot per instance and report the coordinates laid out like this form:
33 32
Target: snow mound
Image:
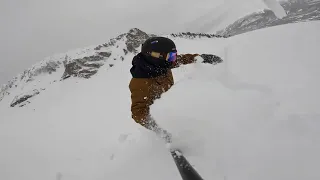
255 116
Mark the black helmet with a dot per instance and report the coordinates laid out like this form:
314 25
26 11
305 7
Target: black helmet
158 44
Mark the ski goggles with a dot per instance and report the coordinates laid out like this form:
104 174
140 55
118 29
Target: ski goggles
171 56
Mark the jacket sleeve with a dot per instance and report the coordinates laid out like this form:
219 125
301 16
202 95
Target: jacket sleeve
140 99
183 59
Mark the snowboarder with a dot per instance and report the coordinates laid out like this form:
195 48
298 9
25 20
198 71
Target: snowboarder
152 76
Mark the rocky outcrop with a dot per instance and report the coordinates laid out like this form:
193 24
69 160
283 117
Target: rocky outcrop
135 38
104 54
297 11
21 99
111 42
211 59
84 67
29 75
45 67
190 35
88 66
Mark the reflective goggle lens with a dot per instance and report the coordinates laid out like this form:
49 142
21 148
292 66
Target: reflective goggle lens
172 56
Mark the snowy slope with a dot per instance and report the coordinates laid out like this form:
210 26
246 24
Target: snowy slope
297 11
254 116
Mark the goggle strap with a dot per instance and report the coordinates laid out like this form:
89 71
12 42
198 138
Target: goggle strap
159 55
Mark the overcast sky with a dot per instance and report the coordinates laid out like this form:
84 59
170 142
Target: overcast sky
34 29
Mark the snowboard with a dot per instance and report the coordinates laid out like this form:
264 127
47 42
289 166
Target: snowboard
186 171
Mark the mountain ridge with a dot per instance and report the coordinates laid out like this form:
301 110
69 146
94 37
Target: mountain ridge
82 63
297 11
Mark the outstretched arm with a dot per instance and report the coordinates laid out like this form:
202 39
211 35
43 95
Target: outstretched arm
192 58
184 59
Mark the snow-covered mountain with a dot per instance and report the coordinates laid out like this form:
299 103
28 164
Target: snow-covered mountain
253 116
297 11
81 63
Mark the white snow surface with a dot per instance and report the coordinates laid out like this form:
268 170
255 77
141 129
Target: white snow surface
253 117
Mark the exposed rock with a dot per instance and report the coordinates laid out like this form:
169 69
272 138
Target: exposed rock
93 58
87 73
98 47
29 75
82 67
111 42
190 35
48 67
125 51
23 97
135 37
88 66
211 59
104 54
